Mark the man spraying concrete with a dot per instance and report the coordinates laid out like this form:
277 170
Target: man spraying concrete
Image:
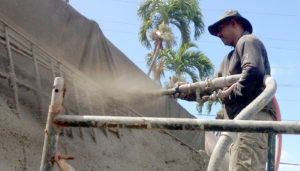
248 58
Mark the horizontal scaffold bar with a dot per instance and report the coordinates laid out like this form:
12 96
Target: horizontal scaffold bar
279 127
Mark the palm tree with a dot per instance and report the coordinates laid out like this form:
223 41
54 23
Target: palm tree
162 35
158 16
186 61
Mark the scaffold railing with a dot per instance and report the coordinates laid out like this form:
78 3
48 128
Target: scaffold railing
56 120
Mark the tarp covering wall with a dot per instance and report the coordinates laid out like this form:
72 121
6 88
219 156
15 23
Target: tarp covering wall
78 42
64 32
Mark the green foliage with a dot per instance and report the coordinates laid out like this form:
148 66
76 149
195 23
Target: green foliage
172 80
163 32
187 62
179 13
208 104
199 107
158 17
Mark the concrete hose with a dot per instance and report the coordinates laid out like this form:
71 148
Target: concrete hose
279 136
253 108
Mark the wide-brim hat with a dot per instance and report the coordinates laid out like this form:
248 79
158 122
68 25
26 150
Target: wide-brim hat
214 28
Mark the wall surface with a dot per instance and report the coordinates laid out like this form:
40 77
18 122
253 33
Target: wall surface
100 80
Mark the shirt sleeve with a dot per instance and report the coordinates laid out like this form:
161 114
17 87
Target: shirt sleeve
250 52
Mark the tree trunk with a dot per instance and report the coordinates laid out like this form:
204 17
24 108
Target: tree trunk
154 56
158 71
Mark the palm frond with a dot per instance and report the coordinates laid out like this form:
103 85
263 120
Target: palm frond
157 16
183 26
148 58
189 71
200 62
185 46
143 33
199 107
198 25
209 106
144 10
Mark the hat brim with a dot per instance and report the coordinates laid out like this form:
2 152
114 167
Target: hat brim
214 28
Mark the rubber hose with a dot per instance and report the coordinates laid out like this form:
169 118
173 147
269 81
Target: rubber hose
279 136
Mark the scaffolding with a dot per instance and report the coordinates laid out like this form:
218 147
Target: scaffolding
56 120
16 43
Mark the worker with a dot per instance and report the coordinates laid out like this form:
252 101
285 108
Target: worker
248 58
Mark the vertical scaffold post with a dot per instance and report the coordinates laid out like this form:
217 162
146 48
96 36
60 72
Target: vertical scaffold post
89 103
52 69
51 131
67 104
12 74
77 98
271 152
38 78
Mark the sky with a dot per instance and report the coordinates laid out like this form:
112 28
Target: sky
276 23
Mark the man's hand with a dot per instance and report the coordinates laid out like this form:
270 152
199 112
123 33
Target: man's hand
189 96
175 84
229 90
179 95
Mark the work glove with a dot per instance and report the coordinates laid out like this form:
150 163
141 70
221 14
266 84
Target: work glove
189 96
224 95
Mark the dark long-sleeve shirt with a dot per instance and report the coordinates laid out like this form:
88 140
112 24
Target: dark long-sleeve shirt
250 59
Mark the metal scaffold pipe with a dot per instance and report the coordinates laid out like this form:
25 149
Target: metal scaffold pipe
178 124
51 131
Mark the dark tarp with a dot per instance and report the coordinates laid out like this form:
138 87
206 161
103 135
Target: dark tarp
64 33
